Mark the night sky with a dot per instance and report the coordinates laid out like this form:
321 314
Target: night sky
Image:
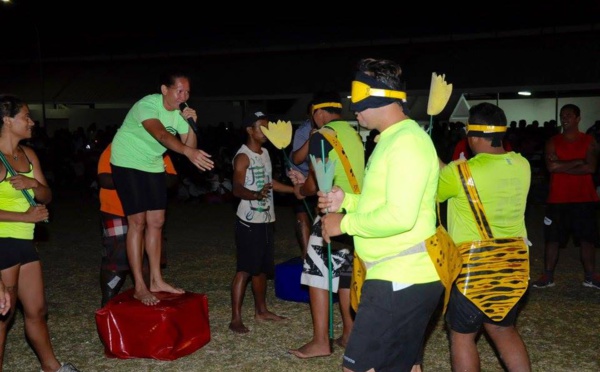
111 51
78 29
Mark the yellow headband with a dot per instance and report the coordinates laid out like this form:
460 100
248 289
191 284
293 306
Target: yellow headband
326 104
362 91
486 128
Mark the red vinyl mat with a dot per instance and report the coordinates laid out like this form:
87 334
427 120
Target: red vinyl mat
177 326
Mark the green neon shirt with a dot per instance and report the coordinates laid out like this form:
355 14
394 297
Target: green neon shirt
134 147
396 209
502 183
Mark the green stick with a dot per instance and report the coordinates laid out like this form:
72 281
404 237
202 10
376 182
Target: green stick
12 172
305 204
329 265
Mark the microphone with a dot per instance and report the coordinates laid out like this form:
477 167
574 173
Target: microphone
190 121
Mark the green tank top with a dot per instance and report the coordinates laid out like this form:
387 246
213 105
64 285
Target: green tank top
14 201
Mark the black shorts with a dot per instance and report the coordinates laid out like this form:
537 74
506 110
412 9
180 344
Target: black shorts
389 330
463 316
17 251
255 249
345 279
140 191
564 220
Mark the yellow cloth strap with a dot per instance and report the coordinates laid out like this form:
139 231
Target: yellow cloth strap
476 206
359 270
330 136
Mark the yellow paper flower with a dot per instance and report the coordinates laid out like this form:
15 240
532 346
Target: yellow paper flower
439 94
280 133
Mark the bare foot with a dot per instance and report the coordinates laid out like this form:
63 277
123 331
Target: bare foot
146 298
311 350
161 286
341 342
267 315
238 327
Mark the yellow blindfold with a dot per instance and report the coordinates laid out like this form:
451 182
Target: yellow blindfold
486 128
361 91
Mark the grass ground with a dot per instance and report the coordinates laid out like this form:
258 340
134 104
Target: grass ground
559 325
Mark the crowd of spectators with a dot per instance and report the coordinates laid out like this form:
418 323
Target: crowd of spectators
70 158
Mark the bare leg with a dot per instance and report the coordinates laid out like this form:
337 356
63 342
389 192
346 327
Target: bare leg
32 297
319 309
146 273
347 320
238 290
510 347
302 232
10 277
463 351
259 290
135 251
550 256
588 257
154 224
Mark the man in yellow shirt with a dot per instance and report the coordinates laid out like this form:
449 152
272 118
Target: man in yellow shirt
390 220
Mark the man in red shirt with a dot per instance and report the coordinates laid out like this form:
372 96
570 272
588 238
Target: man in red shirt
571 159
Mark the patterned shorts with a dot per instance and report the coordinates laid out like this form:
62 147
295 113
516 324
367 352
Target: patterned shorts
114 244
315 271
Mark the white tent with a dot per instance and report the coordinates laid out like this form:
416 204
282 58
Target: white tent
461 110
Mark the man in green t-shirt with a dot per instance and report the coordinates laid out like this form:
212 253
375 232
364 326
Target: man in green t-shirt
502 182
390 220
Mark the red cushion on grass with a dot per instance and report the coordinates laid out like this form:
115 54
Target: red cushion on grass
177 326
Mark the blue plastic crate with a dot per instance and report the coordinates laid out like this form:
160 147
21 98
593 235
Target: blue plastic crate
287 282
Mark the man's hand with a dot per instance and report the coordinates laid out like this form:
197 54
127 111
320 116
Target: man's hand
199 158
330 225
331 201
296 177
264 192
